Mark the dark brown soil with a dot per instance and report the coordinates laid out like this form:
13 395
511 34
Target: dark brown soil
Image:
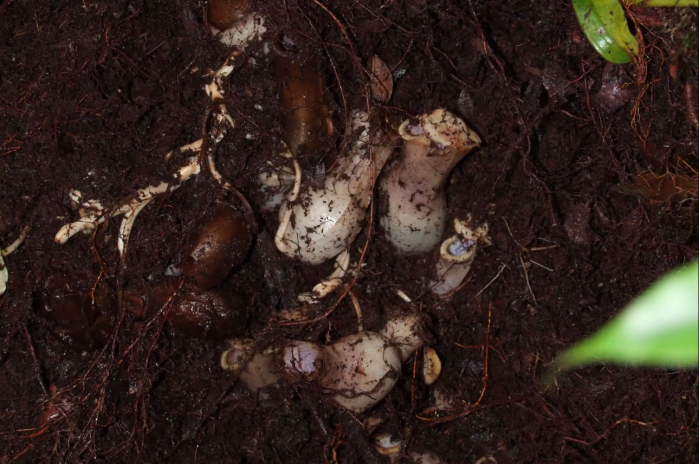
93 94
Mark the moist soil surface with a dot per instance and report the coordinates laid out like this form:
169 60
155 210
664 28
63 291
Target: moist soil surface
585 176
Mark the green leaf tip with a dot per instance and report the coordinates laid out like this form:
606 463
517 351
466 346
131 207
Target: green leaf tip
659 328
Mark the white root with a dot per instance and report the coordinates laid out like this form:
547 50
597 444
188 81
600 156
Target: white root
97 214
334 280
222 117
191 168
213 91
77 197
415 186
212 167
401 294
342 264
297 182
127 224
194 146
281 242
274 196
133 208
90 217
320 291
14 245
129 209
219 132
89 222
326 221
358 308
457 255
4 274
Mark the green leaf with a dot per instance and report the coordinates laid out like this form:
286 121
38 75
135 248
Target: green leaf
614 20
664 3
605 26
659 328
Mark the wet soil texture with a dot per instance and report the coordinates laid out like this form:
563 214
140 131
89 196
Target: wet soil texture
587 176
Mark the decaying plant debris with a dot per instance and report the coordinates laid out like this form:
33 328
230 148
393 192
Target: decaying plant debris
111 341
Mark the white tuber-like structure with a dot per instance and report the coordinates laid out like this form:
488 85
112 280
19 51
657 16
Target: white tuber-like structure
275 186
322 223
405 332
457 255
415 186
255 370
357 371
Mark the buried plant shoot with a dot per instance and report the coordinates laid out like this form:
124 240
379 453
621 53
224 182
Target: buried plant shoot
334 232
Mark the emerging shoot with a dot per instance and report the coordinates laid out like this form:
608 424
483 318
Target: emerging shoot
416 210
457 255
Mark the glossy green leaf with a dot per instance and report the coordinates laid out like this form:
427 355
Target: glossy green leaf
658 328
665 3
605 31
614 20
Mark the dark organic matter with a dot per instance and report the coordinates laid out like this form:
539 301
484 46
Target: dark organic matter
587 178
